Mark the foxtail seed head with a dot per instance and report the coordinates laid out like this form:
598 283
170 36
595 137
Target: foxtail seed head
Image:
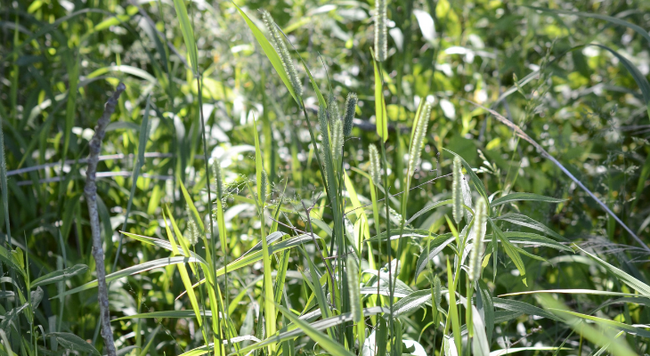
265 183
479 229
348 116
283 52
375 167
381 39
218 178
192 234
332 110
456 191
418 137
337 140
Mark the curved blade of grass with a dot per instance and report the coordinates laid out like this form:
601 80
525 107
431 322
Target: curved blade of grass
164 314
143 267
427 208
188 34
478 184
480 344
614 20
524 197
520 349
572 291
453 310
270 53
257 255
525 221
626 278
600 337
59 275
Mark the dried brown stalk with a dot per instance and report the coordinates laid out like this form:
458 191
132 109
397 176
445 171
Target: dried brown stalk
90 191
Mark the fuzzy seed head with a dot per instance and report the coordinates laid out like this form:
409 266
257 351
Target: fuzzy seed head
218 178
381 39
456 189
375 166
283 52
437 291
415 150
478 230
337 140
332 110
192 234
265 182
348 116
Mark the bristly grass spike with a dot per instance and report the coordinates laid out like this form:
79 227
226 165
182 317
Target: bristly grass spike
456 191
381 36
281 47
375 166
479 229
348 116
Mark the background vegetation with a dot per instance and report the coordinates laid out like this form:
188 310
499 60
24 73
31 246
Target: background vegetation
201 89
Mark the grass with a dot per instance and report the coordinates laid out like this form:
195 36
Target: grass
244 214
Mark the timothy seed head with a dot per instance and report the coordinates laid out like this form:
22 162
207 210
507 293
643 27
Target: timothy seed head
283 52
337 140
418 137
457 194
479 229
381 39
375 167
348 116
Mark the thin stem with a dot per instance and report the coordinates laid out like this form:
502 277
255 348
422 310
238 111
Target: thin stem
90 192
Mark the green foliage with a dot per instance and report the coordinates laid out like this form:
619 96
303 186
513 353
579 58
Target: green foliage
314 232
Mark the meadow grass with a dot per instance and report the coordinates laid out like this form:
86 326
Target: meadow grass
251 216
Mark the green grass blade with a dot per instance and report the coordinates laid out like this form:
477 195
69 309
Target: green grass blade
188 34
524 197
453 310
270 53
380 105
323 340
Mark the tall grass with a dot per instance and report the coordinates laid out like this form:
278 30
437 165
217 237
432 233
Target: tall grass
260 219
